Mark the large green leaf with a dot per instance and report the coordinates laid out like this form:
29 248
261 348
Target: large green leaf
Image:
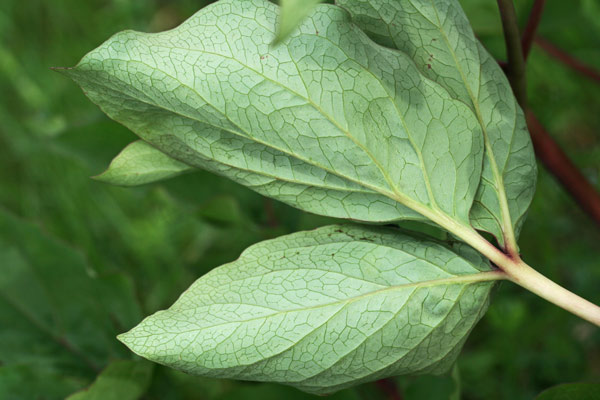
327 121
140 163
572 391
438 37
58 320
323 310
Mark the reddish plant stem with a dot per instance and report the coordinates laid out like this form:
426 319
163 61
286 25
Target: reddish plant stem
530 36
389 388
533 22
567 59
557 162
272 221
546 149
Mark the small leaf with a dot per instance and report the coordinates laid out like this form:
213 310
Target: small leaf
323 310
121 380
140 163
222 210
572 391
327 121
439 38
291 14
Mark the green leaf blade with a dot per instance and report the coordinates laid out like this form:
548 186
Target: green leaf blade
327 121
121 380
139 163
62 317
439 38
323 310
569 391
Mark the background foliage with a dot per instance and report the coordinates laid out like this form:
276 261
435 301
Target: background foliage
81 261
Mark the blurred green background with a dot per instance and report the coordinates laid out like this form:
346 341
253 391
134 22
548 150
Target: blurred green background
81 261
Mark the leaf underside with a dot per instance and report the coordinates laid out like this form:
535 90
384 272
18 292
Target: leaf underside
327 121
376 111
323 310
438 37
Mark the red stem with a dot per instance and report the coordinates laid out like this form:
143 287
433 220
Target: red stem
546 149
389 388
567 59
533 22
272 221
557 162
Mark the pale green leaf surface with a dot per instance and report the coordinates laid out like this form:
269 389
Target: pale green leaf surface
323 310
292 12
140 163
121 380
437 35
327 121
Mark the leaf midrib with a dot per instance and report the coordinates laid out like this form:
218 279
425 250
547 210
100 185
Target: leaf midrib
409 136
462 279
249 255
307 99
330 118
506 224
371 189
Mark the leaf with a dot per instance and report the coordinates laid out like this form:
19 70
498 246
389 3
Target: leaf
62 321
291 14
223 210
140 163
438 37
323 310
121 380
572 391
328 121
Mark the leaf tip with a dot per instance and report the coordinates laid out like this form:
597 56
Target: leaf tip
128 339
137 340
112 177
276 41
68 71
103 176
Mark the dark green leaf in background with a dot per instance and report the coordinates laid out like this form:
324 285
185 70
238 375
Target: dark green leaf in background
572 391
62 318
121 380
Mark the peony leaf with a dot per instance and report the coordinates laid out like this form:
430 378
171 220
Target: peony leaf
323 310
438 37
327 121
